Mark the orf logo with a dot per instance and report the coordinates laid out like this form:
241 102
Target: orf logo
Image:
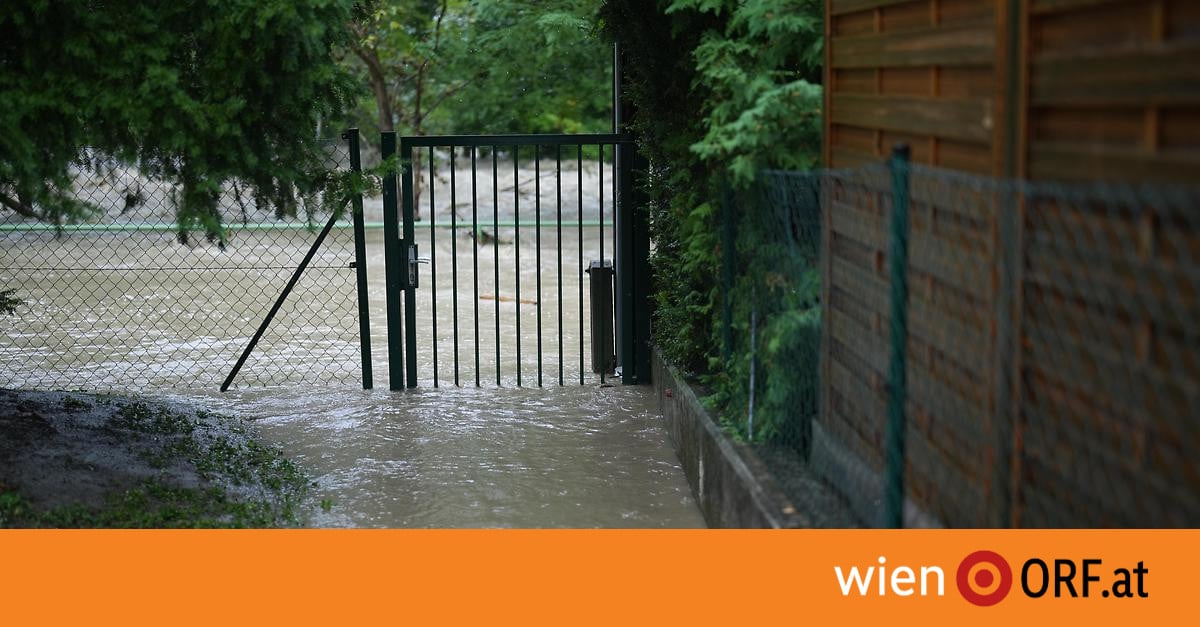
984 578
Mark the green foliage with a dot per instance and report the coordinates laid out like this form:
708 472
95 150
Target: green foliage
723 89
9 302
197 92
761 76
660 81
530 66
481 66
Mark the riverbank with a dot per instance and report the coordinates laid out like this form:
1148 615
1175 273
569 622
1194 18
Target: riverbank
71 459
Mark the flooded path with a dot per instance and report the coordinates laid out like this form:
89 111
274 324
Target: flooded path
561 457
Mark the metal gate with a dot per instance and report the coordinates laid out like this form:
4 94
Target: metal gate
467 301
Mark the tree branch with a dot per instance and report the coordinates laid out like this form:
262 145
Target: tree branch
21 208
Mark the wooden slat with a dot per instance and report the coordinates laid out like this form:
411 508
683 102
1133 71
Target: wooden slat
840 7
943 406
963 268
1075 162
847 426
1098 371
1043 7
1051 436
946 490
968 120
1172 296
1162 74
960 45
846 158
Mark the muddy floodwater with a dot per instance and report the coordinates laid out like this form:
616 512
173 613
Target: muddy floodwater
134 311
570 457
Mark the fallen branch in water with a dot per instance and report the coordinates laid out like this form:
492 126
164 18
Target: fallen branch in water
506 299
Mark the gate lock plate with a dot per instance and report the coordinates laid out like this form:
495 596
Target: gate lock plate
413 260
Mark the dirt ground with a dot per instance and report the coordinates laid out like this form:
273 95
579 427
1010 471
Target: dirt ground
81 460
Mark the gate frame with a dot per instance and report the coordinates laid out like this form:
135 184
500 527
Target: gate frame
401 255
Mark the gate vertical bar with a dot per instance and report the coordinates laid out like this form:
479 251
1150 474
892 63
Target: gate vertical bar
393 272
496 255
558 241
537 230
433 269
360 263
603 331
517 250
582 258
454 254
475 253
409 246
897 424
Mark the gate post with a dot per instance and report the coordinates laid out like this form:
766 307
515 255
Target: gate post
407 257
360 262
633 245
393 270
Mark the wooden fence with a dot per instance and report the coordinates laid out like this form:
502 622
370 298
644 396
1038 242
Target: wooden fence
1054 355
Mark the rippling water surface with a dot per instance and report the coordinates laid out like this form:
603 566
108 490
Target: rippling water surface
561 457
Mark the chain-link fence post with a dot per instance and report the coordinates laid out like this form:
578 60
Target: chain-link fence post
360 262
897 422
728 269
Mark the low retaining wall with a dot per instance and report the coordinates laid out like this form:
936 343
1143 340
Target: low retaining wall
731 485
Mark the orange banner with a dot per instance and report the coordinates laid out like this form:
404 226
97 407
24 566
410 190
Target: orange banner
597 577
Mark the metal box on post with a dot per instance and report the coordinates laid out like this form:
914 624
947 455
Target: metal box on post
600 282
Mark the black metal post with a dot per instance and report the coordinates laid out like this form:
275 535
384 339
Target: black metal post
393 272
360 263
408 246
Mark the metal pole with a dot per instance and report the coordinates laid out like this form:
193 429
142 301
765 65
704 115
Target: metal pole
897 424
360 264
393 271
728 265
409 245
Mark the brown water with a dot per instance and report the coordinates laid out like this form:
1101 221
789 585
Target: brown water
569 457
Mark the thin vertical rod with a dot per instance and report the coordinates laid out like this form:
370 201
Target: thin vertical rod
475 253
517 250
537 230
496 255
433 268
582 257
454 255
558 241
604 316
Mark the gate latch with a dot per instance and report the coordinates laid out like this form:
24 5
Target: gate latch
413 260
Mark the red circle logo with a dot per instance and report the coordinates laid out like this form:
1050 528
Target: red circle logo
984 578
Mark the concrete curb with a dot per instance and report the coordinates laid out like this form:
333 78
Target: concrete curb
730 483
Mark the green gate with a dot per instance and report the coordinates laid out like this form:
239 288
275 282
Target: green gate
496 330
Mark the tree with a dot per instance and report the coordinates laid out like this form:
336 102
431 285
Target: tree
483 66
399 44
196 91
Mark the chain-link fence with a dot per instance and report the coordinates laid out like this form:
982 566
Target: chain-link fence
127 298
999 353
